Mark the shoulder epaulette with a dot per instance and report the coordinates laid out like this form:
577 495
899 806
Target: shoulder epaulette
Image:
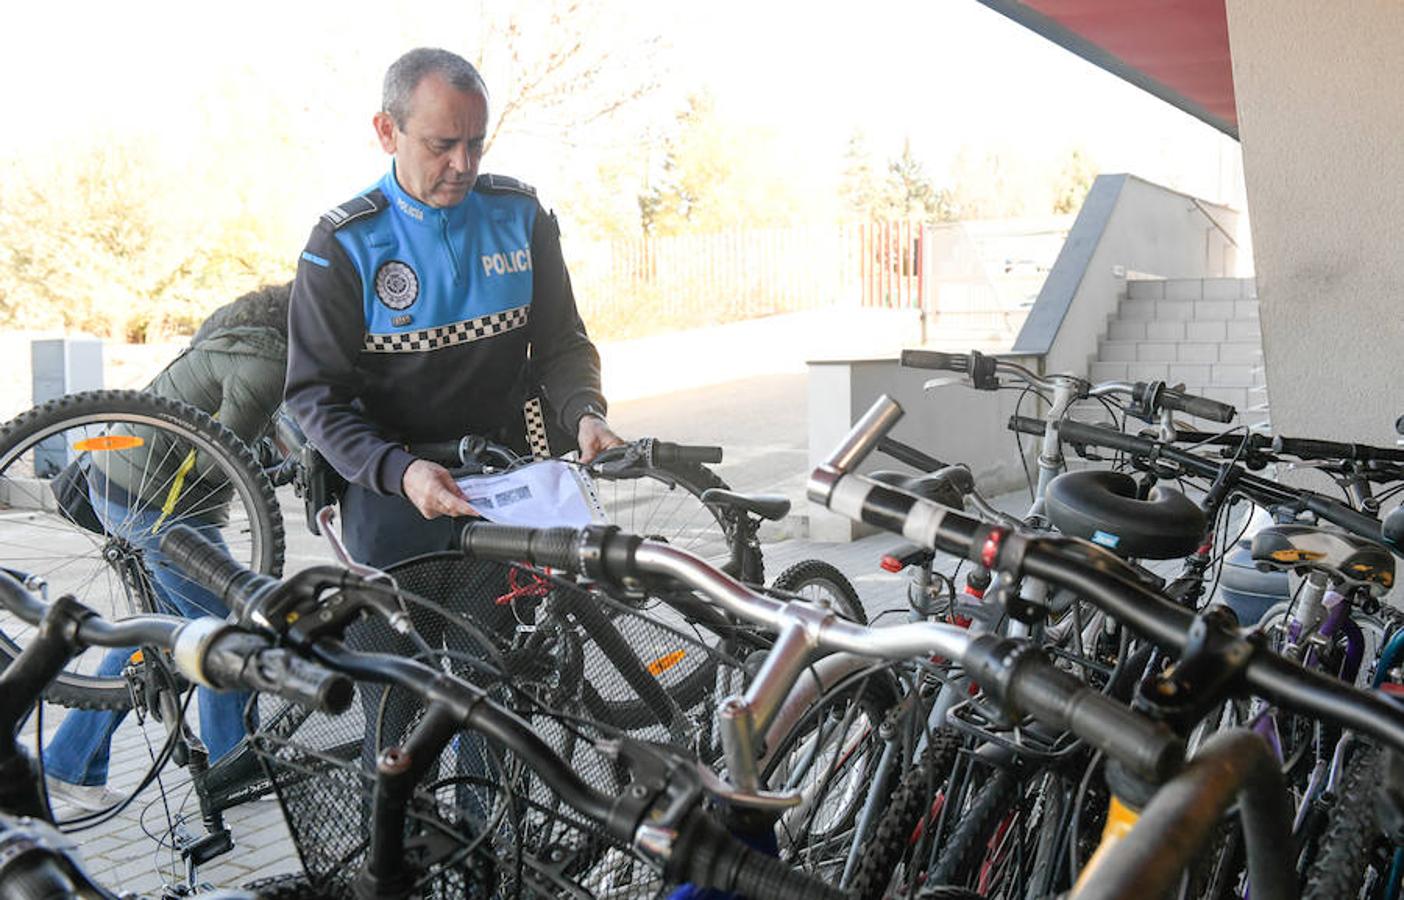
358 207
496 184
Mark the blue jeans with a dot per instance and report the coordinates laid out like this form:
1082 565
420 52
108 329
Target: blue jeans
80 750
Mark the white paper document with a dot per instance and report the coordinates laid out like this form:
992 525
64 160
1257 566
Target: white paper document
539 495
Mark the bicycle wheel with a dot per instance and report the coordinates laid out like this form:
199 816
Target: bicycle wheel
88 484
908 809
1344 852
831 754
664 503
818 581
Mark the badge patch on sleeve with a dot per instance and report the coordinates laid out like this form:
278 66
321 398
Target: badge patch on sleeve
396 285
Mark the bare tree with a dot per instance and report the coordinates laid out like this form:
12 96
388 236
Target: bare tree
561 65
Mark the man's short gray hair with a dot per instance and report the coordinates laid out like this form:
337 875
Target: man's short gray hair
405 74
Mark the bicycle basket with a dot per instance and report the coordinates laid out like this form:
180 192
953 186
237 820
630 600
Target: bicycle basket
480 823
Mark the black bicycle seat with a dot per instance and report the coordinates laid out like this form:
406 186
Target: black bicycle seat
946 486
768 506
1101 506
1355 561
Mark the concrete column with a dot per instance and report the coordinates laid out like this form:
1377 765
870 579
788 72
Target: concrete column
1320 90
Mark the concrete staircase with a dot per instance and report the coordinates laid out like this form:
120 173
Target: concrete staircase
1202 332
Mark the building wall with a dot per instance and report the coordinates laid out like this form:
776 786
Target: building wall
1320 90
1126 225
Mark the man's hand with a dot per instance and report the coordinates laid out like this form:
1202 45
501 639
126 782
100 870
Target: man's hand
432 490
593 435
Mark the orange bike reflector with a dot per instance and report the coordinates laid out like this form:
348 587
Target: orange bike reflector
109 442
666 662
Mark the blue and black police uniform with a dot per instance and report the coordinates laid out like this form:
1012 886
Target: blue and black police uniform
413 323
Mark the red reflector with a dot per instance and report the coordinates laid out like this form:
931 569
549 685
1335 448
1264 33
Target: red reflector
892 564
990 551
1390 687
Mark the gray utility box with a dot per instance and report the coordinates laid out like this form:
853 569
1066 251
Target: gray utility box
62 366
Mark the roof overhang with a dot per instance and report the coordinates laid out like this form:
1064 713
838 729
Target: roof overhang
1177 50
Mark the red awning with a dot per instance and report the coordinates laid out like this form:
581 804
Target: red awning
1177 50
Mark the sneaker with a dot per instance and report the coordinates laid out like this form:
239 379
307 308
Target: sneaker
92 797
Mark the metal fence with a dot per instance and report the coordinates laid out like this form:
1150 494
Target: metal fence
692 279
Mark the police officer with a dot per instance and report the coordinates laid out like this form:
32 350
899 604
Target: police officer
429 307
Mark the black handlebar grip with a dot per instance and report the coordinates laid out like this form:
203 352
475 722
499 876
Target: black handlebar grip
1028 425
1083 433
934 359
665 452
1359 523
445 453
707 856
1311 448
1195 405
558 548
208 564
244 661
1029 683
905 453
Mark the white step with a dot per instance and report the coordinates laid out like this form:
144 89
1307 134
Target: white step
1134 309
1192 289
1185 351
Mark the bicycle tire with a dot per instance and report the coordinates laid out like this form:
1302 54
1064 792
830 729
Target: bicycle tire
909 805
1339 867
856 704
664 502
40 538
815 579
964 850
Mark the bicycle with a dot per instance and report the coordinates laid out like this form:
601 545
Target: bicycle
484 807
1115 590
184 467
89 482
989 604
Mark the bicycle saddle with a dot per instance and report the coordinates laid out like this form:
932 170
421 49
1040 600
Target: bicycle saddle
1356 561
946 486
768 506
1101 506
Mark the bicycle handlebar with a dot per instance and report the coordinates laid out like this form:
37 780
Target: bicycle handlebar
1311 448
1093 573
1263 491
209 651
471 449
713 858
1180 401
1013 673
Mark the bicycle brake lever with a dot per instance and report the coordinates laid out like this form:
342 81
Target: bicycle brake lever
325 517
945 380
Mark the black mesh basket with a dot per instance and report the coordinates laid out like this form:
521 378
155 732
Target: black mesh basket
481 823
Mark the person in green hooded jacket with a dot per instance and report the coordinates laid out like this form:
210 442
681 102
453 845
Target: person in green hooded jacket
234 370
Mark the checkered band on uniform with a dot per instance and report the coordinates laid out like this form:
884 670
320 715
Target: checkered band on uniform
449 335
536 436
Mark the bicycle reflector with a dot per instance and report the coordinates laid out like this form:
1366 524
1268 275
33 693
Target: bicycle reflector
109 442
665 662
